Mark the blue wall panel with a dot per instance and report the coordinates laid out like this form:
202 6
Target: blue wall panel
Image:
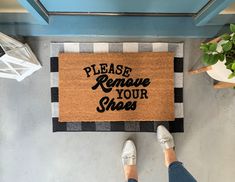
113 26
160 6
17 18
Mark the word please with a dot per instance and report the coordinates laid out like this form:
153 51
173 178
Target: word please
107 83
104 68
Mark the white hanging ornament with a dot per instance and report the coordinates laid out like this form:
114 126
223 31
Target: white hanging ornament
17 60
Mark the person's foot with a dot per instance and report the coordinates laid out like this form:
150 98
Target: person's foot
167 142
165 138
129 160
129 153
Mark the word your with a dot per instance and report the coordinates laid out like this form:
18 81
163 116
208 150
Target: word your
134 93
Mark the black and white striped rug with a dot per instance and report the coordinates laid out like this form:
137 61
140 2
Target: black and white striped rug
173 126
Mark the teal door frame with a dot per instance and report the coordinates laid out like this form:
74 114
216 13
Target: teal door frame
125 6
210 11
115 24
36 9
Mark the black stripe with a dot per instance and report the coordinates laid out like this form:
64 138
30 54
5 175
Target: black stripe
58 126
54 94
178 65
54 64
88 126
158 123
117 126
177 125
147 126
178 95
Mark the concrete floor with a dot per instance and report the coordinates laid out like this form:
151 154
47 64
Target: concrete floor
29 151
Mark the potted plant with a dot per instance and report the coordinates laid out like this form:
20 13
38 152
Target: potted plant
221 51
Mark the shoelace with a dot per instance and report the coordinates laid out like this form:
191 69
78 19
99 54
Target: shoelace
129 157
129 160
163 141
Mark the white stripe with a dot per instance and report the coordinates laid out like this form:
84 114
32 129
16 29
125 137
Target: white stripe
179 50
130 47
54 79
56 48
179 110
101 47
178 80
52 50
55 109
71 47
160 47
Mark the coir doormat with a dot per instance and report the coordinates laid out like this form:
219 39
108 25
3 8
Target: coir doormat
116 87
130 126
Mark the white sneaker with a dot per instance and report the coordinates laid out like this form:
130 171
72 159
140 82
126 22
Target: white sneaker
129 153
165 138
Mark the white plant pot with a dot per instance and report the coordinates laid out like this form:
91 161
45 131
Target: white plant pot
219 71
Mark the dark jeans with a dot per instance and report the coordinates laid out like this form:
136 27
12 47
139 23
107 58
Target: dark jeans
177 173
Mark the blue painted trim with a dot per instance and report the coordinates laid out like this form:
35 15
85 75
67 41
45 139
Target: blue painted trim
17 18
146 6
114 26
210 11
222 19
35 11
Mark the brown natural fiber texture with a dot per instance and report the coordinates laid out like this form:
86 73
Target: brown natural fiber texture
86 92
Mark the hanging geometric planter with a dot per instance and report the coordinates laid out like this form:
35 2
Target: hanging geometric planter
17 60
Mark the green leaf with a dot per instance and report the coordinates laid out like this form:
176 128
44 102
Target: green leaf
212 59
232 28
216 57
212 47
225 36
221 57
233 39
205 59
233 67
231 75
232 51
229 66
227 46
228 61
204 47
